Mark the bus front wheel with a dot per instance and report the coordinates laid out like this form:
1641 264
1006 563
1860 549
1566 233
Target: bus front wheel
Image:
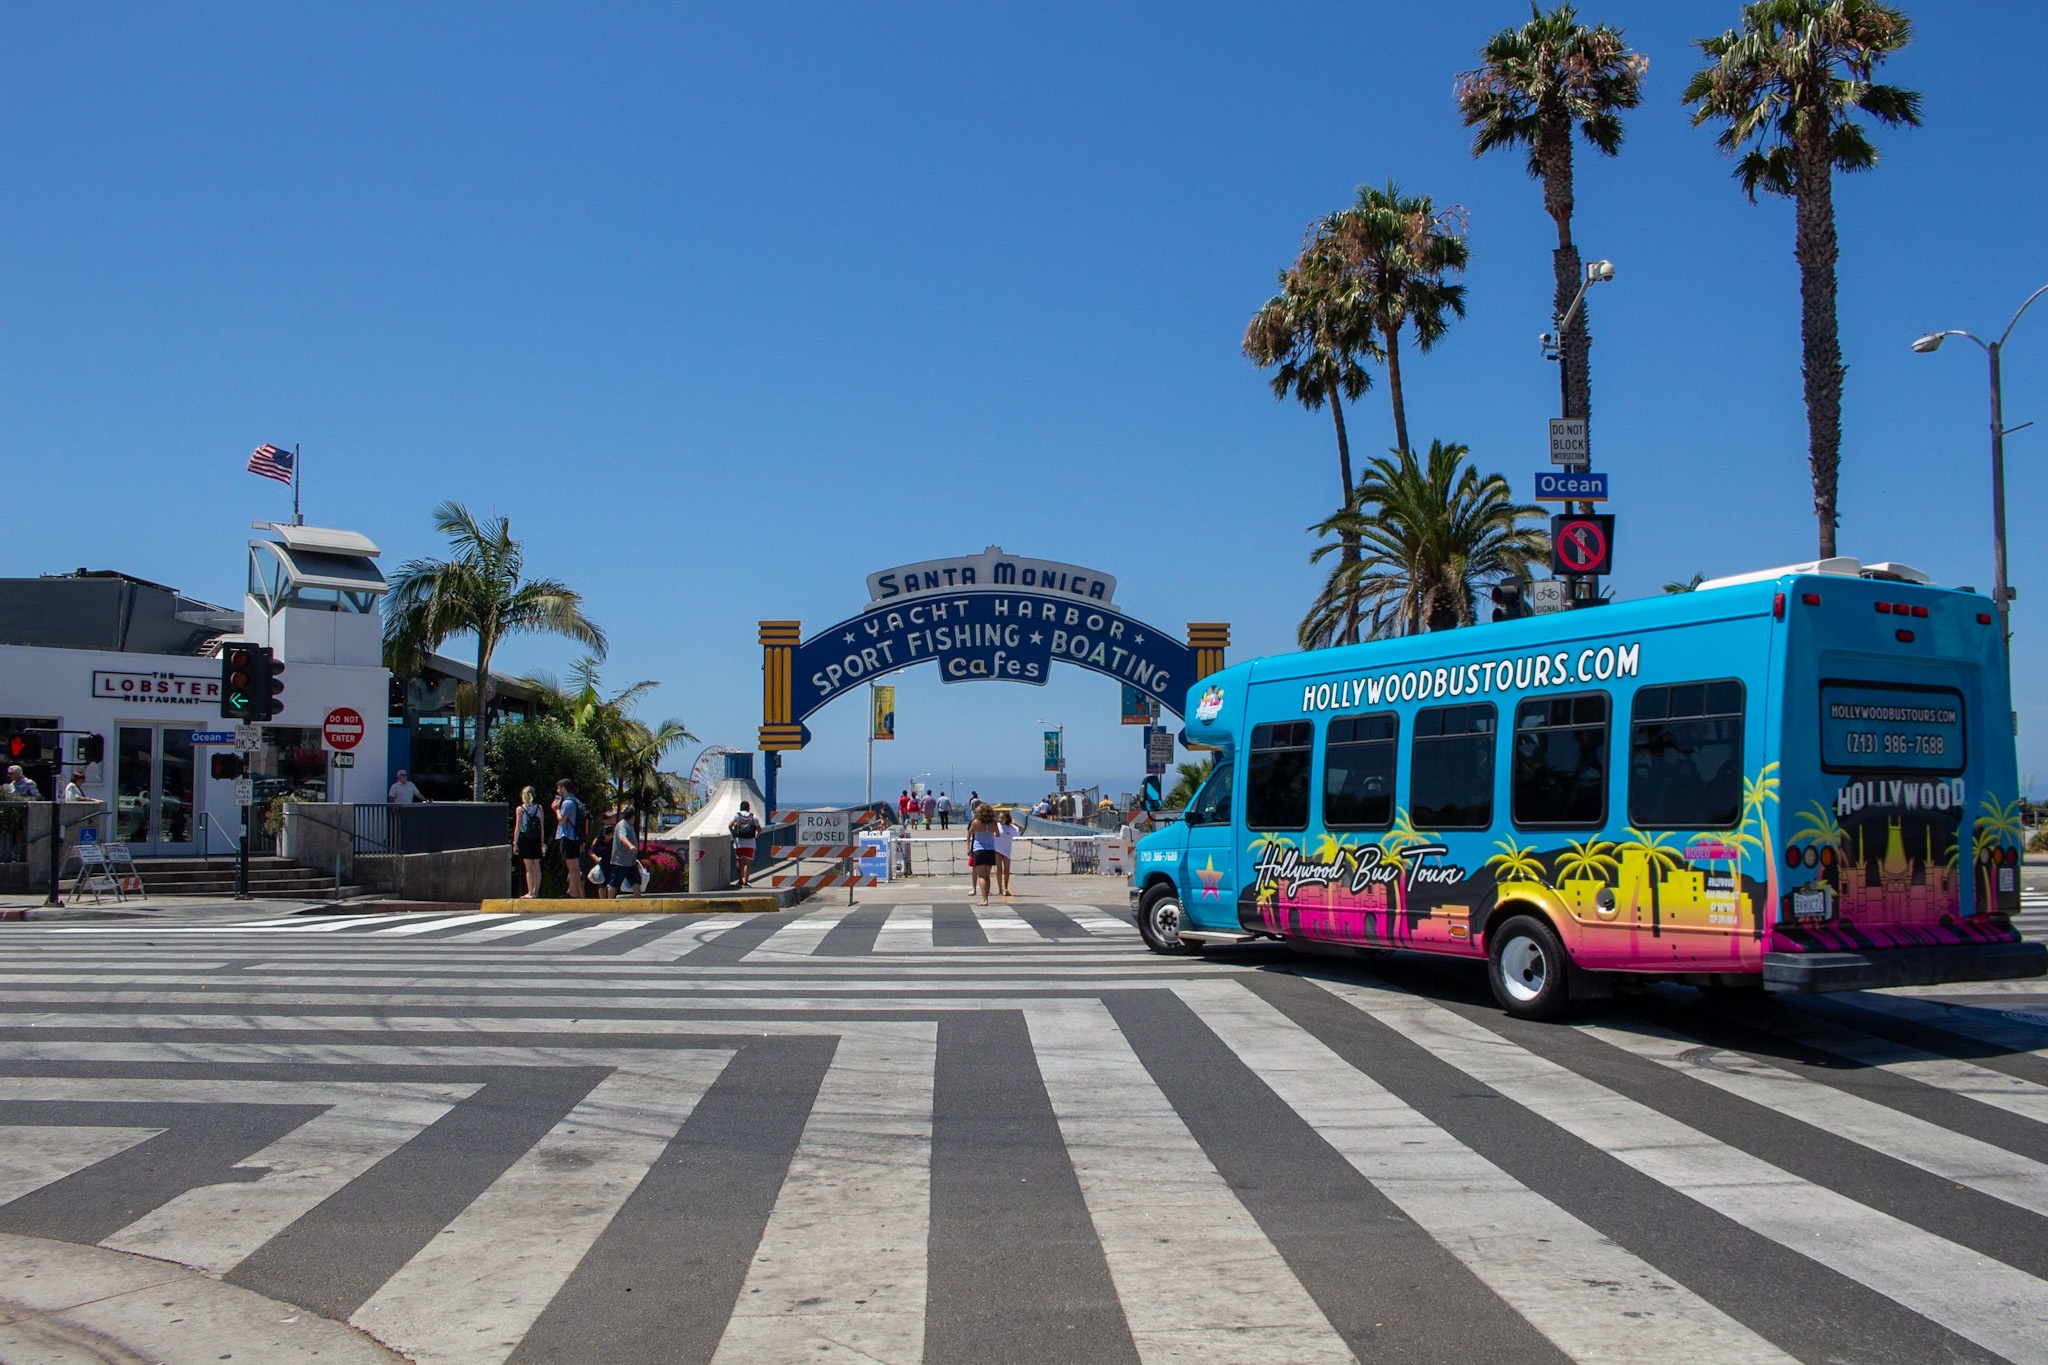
1159 921
1528 970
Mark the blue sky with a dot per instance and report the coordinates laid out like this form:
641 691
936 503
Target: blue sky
727 307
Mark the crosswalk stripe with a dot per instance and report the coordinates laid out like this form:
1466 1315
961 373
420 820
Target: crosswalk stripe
840 1270
1997 1028
2026 1098
800 937
439 922
573 939
215 1227
34 1156
521 924
1951 1155
473 1291
907 930
1005 927
1098 921
2001 1309
1197 1277
1592 1298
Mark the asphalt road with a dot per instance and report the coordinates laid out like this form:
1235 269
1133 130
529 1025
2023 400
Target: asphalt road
917 1130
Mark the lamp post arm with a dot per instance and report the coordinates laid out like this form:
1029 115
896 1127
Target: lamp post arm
2016 316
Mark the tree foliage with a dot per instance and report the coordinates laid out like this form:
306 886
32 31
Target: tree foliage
537 753
481 590
1785 87
630 748
1188 779
1434 532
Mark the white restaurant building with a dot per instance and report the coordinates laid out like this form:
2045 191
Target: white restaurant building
137 663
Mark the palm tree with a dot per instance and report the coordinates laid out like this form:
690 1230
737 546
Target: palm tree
1536 83
481 590
1786 84
1311 334
1189 779
631 749
1686 585
1432 533
1397 253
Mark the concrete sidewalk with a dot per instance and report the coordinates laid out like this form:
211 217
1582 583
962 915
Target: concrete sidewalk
61 1303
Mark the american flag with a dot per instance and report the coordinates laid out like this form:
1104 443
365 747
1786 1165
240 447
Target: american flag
272 463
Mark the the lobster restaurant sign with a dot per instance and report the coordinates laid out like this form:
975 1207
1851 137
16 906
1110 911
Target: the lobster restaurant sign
173 689
991 617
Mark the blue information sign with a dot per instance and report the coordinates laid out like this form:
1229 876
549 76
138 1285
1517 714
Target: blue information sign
1570 485
212 737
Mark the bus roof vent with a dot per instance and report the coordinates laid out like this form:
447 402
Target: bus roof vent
1843 568
1896 573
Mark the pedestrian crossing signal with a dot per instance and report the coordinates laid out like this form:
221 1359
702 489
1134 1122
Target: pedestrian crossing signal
228 766
24 747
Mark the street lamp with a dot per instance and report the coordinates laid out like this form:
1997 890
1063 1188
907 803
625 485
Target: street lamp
1928 345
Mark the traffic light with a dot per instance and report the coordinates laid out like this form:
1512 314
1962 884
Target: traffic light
24 746
92 748
227 766
237 682
269 685
1508 602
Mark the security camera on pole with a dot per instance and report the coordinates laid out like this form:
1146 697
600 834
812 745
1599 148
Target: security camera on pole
1571 444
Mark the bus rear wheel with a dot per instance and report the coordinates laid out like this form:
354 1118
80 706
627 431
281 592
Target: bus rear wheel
1159 922
1528 969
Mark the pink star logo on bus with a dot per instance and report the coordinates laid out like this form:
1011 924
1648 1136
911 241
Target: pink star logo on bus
1212 880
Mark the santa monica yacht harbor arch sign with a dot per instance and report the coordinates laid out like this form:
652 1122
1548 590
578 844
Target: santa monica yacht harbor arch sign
991 617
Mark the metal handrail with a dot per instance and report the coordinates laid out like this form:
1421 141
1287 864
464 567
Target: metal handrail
205 844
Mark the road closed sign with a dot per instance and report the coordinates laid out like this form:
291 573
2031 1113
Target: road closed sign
343 728
823 827
1582 544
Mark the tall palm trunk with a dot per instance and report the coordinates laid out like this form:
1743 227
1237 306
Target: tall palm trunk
1394 392
1349 554
484 646
1820 342
1574 346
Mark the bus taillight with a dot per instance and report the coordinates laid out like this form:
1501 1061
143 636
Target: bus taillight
1905 637
1778 606
1811 599
1983 618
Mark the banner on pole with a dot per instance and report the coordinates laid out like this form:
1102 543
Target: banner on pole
1138 709
1053 761
883 722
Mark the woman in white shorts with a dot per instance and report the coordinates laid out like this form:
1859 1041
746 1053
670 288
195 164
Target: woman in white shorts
1006 840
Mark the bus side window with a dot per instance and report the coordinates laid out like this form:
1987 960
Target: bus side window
1358 771
1561 761
1685 756
1211 805
1450 767
1276 775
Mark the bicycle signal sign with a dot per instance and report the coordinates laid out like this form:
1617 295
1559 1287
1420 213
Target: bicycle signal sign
1582 544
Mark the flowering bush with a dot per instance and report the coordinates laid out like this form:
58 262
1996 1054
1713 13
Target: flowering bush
664 868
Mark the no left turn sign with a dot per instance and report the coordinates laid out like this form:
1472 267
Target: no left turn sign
1582 543
343 728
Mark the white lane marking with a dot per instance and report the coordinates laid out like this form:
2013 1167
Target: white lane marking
520 924
1980 1083
907 930
1005 927
1986 1025
448 922
298 924
2001 1309
1594 1300
798 938
604 928
474 1290
1197 1277
1097 920
32 1155
684 938
2032 985
216 1227
840 1270
1953 1156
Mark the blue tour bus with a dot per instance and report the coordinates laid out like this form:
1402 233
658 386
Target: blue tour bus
1795 780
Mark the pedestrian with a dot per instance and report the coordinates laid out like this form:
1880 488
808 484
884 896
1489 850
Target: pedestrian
945 811
981 849
19 786
1006 844
74 790
745 829
569 835
623 867
403 792
930 807
527 830
904 805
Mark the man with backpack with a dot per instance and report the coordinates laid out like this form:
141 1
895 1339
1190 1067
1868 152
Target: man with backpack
570 823
745 829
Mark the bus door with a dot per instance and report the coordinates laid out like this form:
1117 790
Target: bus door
1208 873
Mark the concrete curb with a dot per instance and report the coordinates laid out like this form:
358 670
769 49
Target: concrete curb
60 1302
636 905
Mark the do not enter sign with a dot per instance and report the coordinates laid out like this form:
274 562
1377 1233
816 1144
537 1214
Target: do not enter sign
343 728
1582 543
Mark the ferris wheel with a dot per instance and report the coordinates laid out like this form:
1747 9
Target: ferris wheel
707 772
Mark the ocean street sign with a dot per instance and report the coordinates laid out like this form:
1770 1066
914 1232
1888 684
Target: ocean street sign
1570 485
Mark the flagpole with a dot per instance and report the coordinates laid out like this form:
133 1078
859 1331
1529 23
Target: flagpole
297 520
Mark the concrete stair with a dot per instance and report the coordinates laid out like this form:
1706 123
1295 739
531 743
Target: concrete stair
270 878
